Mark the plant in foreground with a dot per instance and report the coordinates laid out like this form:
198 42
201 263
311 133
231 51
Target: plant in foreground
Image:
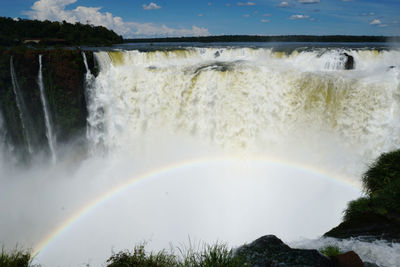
15 258
217 255
331 251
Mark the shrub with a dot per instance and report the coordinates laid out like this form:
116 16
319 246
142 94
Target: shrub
331 251
382 181
16 258
139 258
381 184
357 207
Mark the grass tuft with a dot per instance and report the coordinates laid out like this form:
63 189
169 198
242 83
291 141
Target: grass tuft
15 258
331 251
217 255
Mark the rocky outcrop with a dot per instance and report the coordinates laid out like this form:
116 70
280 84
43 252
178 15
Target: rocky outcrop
271 251
369 226
349 61
63 77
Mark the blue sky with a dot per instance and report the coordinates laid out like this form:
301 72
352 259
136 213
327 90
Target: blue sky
135 18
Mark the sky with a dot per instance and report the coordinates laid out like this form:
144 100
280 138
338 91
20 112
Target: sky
161 18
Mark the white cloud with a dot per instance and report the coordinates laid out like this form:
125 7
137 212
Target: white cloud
246 15
227 4
375 22
150 29
246 4
293 17
151 6
200 15
55 10
308 1
347 0
265 20
284 4
267 15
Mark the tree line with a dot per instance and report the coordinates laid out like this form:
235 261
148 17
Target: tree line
15 31
259 38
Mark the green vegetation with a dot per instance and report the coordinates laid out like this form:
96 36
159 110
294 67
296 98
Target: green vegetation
140 258
16 258
331 251
256 38
382 185
16 32
217 255
377 214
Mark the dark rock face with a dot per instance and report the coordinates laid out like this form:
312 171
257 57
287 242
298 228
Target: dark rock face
349 63
368 264
63 76
271 251
348 259
369 226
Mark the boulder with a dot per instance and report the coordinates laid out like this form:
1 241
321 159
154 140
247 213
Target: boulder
271 251
349 62
348 259
369 226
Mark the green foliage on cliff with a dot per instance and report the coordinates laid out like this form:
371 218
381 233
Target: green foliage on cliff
14 32
377 214
382 185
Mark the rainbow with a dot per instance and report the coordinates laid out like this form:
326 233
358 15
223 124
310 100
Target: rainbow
63 227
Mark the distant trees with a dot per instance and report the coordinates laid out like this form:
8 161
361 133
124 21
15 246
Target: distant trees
260 38
14 32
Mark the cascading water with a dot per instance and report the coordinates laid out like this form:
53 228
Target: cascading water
3 134
93 127
254 100
49 129
23 115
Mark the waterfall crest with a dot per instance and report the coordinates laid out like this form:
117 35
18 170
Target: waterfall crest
51 138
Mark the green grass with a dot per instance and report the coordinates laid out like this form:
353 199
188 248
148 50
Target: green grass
217 255
15 258
331 251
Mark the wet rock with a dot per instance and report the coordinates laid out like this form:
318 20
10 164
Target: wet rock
348 259
369 227
349 63
271 251
368 264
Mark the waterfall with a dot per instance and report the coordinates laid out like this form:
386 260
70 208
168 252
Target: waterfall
3 132
94 127
49 130
255 100
23 115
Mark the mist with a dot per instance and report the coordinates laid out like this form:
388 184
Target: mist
201 195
